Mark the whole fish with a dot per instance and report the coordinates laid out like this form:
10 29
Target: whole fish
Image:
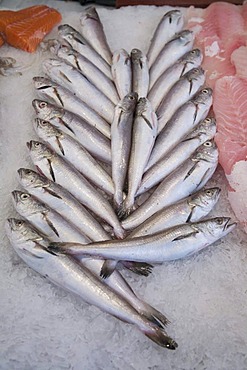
69 77
143 137
174 49
180 124
92 30
75 154
189 177
74 39
204 131
140 73
75 126
122 72
63 98
57 169
183 90
190 209
65 272
177 242
121 130
171 23
58 198
46 219
90 71
190 60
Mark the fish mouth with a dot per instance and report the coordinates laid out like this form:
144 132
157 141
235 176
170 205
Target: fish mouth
229 225
29 145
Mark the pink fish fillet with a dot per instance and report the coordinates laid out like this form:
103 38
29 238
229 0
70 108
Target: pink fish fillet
230 108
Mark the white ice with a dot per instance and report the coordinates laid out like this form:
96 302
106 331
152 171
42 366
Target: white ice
43 327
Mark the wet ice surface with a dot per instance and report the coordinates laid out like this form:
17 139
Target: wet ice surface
44 327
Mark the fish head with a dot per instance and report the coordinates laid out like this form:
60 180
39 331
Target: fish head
45 110
39 151
195 74
204 131
45 129
128 103
193 57
50 64
142 106
89 13
42 83
204 97
65 51
208 152
136 55
69 34
174 17
31 179
215 228
26 204
203 202
184 38
121 55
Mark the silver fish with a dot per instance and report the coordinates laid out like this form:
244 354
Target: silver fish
65 272
140 73
75 154
92 30
58 198
72 79
191 209
121 130
180 44
190 60
57 169
204 131
183 121
183 90
121 72
171 23
63 98
189 177
78 43
90 71
46 219
143 137
75 126
175 243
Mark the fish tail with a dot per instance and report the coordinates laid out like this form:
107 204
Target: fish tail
160 337
139 268
125 209
153 315
119 231
107 268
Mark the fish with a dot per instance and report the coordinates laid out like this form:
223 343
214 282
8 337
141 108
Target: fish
140 73
174 243
182 91
46 219
57 169
75 40
26 34
66 273
70 78
64 99
143 136
121 130
174 49
88 136
190 209
204 131
183 120
122 72
75 154
58 198
90 71
92 30
189 177
171 23
189 60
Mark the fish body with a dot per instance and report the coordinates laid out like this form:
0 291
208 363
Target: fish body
122 72
72 79
64 99
169 77
57 169
171 23
189 177
140 73
180 44
88 136
183 121
92 30
75 154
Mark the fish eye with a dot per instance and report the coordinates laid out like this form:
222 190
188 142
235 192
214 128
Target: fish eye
168 345
193 51
19 223
24 196
37 145
219 221
208 144
42 104
131 97
209 192
205 91
208 120
43 123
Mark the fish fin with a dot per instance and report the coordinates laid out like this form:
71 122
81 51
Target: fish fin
39 247
43 87
66 125
78 40
65 77
140 63
50 224
191 85
119 117
154 315
203 178
160 337
181 237
147 121
126 60
139 268
51 170
190 171
191 214
29 253
52 193
77 63
107 268
58 96
60 145
63 248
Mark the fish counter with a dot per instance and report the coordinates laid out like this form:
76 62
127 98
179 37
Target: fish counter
194 303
